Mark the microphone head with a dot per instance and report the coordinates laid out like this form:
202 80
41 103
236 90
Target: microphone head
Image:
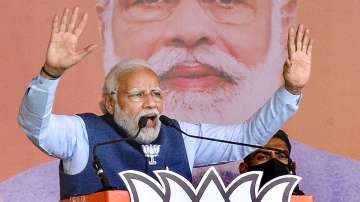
166 120
142 122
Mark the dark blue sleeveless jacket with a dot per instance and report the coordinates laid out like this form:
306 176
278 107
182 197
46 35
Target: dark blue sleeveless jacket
122 156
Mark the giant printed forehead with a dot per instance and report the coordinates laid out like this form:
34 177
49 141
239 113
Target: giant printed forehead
138 79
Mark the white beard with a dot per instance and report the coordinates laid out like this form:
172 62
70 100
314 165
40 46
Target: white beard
146 135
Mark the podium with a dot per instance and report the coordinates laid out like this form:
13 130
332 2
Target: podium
104 196
302 199
123 196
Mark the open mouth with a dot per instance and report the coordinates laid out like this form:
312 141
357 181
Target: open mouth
151 120
194 76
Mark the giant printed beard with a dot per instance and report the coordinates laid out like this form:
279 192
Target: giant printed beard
246 90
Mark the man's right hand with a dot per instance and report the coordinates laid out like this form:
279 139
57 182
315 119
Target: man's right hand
62 53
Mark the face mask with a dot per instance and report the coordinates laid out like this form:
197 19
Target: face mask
271 169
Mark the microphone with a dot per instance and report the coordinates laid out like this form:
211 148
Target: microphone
172 123
97 165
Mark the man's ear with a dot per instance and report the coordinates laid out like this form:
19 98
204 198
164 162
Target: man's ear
289 13
109 104
100 8
243 168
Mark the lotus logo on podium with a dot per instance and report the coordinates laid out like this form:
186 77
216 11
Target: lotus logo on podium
175 188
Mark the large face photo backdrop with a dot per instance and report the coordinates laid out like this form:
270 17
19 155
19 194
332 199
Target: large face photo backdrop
218 61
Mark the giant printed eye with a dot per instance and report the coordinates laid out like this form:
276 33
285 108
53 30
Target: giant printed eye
226 3
231 11
146 10
147 4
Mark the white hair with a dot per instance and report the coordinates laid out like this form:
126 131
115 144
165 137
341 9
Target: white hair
111 81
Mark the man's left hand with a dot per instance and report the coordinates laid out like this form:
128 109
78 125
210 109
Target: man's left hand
298 64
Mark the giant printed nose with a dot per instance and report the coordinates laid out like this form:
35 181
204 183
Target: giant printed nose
189 26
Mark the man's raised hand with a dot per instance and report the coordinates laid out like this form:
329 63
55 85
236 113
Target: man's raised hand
62 53
297 67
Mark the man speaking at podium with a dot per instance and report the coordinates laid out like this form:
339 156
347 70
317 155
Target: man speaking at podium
132 92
